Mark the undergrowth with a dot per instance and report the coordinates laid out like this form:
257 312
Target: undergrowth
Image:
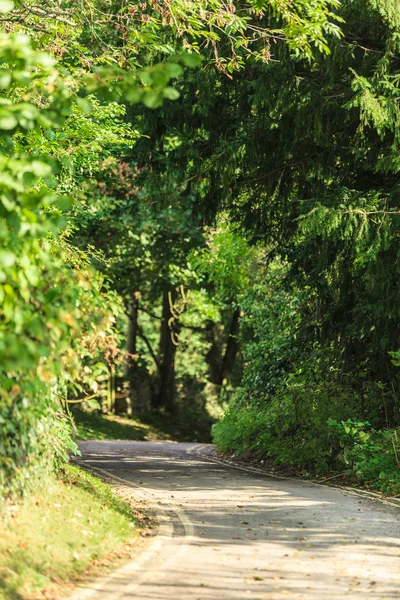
364 455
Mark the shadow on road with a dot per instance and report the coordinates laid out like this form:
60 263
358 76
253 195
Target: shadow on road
257 536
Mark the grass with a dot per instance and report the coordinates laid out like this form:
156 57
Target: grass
92 425
60 534
75 526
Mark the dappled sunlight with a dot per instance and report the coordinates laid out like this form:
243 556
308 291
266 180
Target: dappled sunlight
267 536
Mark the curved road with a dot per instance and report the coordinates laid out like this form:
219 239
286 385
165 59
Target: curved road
230 534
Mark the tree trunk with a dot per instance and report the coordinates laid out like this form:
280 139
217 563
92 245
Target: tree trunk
132 338
232 346
167 350
215 353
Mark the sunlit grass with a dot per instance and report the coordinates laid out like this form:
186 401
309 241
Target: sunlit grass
56 533
91 425
153 426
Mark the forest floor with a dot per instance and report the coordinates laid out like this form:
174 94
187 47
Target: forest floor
229 533
67 530
153 426
92 425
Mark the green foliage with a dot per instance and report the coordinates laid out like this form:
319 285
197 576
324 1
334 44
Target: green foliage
54 133
297 404
368 455
364 455
106 188
310 166
31 211
225 263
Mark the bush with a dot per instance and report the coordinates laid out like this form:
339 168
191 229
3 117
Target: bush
35 439
363 454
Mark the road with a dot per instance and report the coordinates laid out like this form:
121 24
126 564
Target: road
229 534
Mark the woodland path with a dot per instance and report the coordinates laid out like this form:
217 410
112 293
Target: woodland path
226 533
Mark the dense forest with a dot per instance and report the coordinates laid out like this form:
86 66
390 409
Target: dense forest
200 217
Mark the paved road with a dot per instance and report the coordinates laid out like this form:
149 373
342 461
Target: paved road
228 534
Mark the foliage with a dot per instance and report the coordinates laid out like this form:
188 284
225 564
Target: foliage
30 266
139 209
297 405
52 303
288 129
363 455
225 263
313 161
369 455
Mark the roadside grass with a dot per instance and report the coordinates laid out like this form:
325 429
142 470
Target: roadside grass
154 426
59 534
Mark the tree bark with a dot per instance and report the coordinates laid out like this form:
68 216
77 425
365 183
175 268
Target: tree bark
215 353
165 397
231 349
131 339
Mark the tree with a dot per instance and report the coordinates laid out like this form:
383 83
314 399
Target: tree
52 303
316 163
49 293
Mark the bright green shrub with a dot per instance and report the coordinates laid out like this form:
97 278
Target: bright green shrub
55 311
297 405
367 455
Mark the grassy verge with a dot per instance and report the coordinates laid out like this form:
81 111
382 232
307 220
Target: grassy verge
92 425
61 534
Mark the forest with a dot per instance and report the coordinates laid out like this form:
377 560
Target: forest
200 219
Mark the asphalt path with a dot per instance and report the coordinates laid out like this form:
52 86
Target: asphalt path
226 533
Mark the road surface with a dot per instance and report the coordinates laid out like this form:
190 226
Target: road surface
229 534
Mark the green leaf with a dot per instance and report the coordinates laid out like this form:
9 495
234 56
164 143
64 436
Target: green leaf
28 178
64 203
84 105
146 78
29 111
171 93
7 120
7 259
134 95
41 169
6 6
189 60
51 295
173 69
152 99
5 79
93 404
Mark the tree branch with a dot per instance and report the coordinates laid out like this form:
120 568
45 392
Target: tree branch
150 349
148 312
